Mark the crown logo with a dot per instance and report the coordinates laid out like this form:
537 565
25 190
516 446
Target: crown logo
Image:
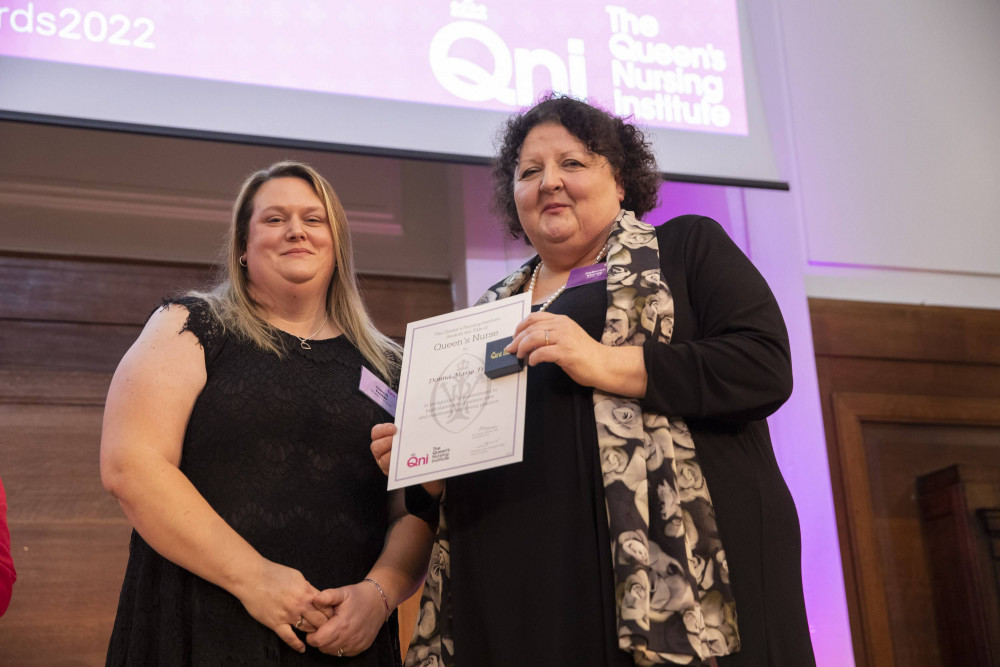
468 9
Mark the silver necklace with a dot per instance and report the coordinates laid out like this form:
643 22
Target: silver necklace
534 277
303 341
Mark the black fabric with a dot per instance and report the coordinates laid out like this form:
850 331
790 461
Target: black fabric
531 566
530 557
279 448
421 504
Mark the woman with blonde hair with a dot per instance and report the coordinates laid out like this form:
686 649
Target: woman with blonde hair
235 439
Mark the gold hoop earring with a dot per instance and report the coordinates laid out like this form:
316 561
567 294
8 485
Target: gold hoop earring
243 261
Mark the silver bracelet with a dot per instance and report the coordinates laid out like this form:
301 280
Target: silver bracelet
385 601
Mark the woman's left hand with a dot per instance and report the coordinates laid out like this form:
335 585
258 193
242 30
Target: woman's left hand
356 613
382 445
543 336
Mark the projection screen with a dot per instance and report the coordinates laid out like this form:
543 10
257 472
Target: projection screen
411 79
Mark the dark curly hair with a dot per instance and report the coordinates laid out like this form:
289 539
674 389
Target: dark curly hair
623 144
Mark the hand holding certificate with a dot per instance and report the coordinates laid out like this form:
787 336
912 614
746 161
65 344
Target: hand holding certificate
451 418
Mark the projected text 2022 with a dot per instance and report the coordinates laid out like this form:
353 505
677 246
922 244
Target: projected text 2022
73 24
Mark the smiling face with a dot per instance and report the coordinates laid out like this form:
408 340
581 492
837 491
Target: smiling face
289 239
566 196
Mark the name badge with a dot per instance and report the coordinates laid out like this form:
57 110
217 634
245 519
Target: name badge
587 274
372 387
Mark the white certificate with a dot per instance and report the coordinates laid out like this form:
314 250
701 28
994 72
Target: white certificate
450 418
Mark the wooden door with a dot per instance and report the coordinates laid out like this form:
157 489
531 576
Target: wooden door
906 390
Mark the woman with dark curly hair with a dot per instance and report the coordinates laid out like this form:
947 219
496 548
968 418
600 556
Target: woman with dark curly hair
648 522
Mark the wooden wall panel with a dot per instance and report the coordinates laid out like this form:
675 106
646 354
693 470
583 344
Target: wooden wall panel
50 460
393 302
65 346
963 565
69 538
885 443
39 385
64 324
69 574
905 390
115 298
81 290
902 332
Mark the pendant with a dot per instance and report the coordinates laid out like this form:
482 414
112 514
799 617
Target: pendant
304 345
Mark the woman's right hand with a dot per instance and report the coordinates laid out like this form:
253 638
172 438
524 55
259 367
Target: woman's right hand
280 598
382 451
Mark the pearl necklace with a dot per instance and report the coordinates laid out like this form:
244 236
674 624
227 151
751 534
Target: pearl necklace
303 341
534 277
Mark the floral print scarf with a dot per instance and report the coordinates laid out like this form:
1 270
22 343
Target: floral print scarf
674 604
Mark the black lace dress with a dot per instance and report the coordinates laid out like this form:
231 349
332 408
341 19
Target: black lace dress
279 448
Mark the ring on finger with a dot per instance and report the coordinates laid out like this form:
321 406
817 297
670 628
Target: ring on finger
547 337
340 653
298 625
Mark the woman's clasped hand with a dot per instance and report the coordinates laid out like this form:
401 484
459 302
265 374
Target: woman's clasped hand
353 616
281 599
338 621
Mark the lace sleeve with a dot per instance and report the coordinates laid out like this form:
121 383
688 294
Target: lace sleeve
201 322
